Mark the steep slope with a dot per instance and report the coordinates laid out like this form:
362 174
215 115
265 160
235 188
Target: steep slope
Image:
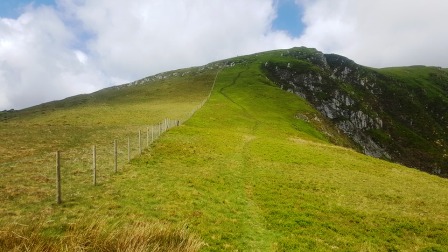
399 114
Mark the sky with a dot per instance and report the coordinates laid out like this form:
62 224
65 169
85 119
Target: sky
52 49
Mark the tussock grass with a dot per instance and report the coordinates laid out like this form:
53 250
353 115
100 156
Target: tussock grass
99 236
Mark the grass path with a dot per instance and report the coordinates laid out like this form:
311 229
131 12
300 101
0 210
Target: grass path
259 238
221 175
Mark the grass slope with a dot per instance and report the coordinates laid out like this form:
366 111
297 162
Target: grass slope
248 172
419 98
245 174
29 139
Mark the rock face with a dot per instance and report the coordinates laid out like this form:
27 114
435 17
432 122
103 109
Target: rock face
374 109
323 91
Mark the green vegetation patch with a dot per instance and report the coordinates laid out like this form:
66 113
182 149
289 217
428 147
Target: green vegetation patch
244 176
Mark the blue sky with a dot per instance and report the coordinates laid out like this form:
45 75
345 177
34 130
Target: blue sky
288 13
13 8
289 17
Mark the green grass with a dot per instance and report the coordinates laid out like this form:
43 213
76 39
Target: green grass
246 179
418 98
251 171
422 77
31 137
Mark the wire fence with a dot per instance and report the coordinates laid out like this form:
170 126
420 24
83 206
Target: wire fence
65 170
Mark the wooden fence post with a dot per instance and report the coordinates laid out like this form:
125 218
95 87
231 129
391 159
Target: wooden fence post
58 179
94 165
129 150
160 129
140 141
152 133
147 137
115 156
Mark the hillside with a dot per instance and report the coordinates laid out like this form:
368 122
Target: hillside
254 169
400 114
31 137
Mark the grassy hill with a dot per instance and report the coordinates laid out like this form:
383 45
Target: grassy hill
255 169
31 137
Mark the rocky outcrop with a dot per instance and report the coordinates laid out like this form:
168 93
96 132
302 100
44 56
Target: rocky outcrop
322 88
371 108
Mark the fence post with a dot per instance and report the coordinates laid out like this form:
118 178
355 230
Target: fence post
58 178
152 133
160 129
115 156
94 165
147 137
140 141
129 150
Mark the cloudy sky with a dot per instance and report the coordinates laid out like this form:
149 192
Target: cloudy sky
51 49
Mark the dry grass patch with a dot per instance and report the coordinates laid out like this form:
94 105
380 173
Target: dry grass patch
99 236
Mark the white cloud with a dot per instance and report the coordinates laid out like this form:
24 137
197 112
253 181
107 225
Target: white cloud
379 33
135 38
37 63
80 46
82 57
